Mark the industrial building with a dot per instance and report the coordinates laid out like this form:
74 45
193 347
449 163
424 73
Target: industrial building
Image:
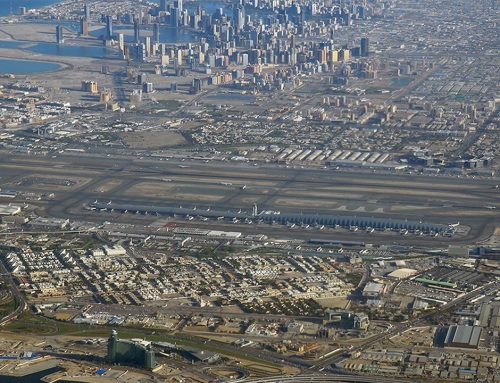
432 282
373 290
463 336
43 223
458 251
130 352
6 210
347 320
402 273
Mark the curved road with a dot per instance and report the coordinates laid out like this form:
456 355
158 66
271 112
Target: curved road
16 293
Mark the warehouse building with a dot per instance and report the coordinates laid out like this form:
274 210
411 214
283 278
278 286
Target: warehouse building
373 290
402 273
463 336
347 320
8 210
42 223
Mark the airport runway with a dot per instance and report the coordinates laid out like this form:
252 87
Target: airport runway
230 185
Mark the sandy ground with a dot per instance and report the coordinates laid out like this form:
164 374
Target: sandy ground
170 190
108 186
338 302
152 139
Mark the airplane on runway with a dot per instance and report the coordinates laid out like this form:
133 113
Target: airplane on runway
454 224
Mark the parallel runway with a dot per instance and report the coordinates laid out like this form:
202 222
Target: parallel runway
229 185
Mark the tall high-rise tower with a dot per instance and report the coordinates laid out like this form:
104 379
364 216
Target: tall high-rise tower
156 33
365 47
163 5
59 34
178 4
137 31
86 11
84 26
109 27
112 343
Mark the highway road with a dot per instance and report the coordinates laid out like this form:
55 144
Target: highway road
16 293
327 378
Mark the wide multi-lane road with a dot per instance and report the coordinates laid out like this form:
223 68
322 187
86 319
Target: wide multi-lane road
17 295
327 378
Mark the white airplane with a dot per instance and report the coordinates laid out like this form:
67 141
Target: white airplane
243 187
226 183
109 203
454 224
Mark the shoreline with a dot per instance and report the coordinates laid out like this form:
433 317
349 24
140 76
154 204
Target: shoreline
61 66
16 6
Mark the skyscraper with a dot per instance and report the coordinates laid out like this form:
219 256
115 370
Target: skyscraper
163 5
238 18
147 44
86 11
156 33
84 26
109 27
59 34
121 42
137 32
178 4
174 17
365 47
